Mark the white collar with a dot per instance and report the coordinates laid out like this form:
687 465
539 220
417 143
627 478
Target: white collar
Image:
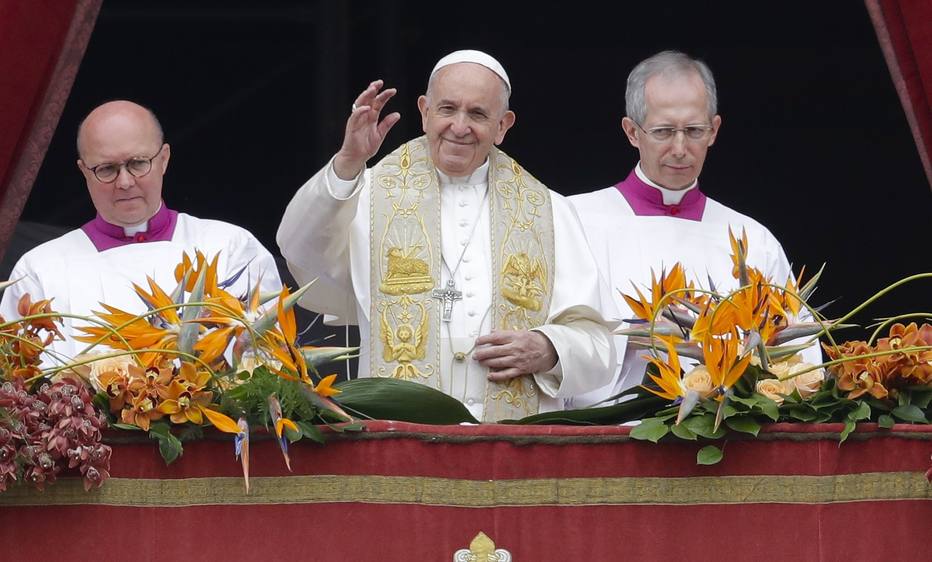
479 176
131 231
670 196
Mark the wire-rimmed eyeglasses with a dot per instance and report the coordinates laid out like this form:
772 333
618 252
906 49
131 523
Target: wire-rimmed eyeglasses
665 134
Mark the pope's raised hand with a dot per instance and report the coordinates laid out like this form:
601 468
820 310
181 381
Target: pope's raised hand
364 131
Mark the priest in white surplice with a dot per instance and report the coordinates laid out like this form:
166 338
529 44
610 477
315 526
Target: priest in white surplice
658 216
462 271
123 157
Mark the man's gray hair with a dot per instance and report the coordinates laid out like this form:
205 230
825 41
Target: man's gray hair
668 64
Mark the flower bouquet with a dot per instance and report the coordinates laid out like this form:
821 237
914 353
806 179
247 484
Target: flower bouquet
198 357
731 361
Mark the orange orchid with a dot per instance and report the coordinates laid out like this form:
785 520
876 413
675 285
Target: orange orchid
141 411
25 307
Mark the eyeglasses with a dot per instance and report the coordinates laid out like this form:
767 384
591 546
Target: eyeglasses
664 134
136 166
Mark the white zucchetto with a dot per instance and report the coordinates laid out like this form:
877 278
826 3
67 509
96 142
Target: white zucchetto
473 56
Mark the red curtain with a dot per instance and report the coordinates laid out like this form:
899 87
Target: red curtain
42 43
904 29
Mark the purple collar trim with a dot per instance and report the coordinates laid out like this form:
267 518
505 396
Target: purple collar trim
647 201
106 236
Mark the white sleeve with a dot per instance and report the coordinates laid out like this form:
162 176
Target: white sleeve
314 238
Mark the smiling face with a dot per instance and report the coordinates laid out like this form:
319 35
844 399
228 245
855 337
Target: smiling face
463 115
113 133
673 101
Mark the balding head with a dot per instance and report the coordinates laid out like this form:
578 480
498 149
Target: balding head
116 133
110 109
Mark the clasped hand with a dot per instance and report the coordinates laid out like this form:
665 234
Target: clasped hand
508 354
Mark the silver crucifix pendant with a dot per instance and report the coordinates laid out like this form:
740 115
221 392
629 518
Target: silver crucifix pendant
447 296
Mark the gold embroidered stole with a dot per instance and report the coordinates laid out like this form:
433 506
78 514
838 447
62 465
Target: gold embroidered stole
405 250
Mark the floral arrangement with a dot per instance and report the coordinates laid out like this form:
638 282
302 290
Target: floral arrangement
198 357
54 428
732 361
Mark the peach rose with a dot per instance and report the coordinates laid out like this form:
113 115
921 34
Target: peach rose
699 380
807 383
771 388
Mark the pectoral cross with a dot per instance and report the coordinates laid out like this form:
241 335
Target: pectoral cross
447 296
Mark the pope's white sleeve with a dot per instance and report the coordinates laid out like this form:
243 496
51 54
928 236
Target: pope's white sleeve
314 238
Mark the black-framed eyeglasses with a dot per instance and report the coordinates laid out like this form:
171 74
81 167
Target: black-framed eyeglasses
136 166
665 134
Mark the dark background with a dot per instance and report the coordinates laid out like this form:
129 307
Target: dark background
253 99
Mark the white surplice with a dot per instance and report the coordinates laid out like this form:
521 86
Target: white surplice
325 235
627 246
71 270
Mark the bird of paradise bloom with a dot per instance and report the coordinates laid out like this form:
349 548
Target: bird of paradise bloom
722 361
670 381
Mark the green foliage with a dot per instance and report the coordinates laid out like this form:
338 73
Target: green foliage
251 400
169 445
710 454
393 399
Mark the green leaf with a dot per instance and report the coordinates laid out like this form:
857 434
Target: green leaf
802 413
126 426
682 432
393 399
744 424
769 408
885 421
644 406
728 411
650 429
311 431
863 412
710 454
849 427
169 446
704 426
910 413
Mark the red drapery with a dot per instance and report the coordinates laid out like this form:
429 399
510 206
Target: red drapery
410 492
904 29
42 43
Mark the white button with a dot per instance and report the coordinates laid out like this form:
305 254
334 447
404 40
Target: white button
464 223
466 259
464 242
470 401
470 294
471 313
463 203
468 276
474 334
461 188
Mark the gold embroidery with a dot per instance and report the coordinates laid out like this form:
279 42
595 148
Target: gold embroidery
407 275
402 341
516 392
523 257
405 256
523 281
482 549
403 203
